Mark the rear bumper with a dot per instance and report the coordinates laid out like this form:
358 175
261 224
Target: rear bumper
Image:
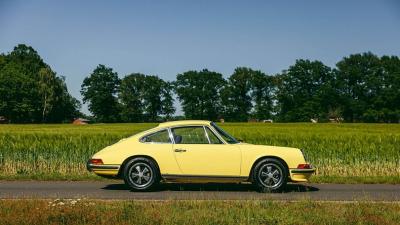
104 169
91 167
301 175
310 171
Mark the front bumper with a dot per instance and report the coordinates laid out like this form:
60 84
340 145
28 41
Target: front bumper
301 175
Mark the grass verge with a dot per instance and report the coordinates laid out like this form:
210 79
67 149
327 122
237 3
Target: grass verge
196 212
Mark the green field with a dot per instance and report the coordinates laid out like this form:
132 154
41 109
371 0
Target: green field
368 153
195 212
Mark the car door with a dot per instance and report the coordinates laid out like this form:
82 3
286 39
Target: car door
200 152
159 146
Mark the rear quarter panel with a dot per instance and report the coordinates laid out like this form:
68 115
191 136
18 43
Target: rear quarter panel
117 153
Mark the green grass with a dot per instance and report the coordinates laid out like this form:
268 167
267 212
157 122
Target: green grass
195 212
344 153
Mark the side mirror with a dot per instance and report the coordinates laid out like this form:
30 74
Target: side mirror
240 140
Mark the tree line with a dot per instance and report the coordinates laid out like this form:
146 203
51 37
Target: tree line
361 88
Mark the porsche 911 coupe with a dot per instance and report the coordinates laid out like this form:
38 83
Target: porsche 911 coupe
198 151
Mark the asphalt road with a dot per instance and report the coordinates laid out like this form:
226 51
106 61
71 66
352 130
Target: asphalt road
117 190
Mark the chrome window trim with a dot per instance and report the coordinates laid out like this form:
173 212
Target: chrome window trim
213 132
164 129
171 136
208 138
186 126
219 135
197 125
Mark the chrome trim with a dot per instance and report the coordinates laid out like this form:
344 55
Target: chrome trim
220 136
91 167
303 170
171 136
183 126
214 132
208 138
179 176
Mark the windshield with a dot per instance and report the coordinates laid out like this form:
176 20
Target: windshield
227 137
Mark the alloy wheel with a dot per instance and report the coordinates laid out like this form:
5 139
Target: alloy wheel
270 175
140 174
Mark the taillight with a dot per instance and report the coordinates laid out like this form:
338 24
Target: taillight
304 166
96 161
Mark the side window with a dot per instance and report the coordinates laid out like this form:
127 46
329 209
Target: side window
189 135
157 137
213 139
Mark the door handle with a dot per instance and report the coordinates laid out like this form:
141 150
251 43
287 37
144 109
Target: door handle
180 150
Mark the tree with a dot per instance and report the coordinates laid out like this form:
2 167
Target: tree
131 97
27 88
46 89
306 90
145 98
369 87
16 95
2 61
99 90
167 102
64 107
360 78
236 95
262 91
248 93
21 100
390 95
200 93
152 97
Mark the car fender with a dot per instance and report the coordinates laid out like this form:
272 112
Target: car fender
251 153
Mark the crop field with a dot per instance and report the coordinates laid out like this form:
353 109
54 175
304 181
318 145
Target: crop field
343 153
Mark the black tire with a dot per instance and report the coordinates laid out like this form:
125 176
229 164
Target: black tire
141 174
270 175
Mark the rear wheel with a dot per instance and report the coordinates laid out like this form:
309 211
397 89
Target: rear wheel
270 175
141 174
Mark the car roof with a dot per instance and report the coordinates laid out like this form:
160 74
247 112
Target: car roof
184 123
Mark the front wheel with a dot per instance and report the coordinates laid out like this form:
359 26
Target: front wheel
141 174
270 175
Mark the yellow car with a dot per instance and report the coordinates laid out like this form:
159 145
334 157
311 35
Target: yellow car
198 151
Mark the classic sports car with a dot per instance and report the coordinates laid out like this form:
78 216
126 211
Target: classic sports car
198 151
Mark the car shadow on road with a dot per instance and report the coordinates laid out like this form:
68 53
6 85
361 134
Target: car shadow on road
215 187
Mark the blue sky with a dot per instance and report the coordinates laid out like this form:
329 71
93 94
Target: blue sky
165 38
